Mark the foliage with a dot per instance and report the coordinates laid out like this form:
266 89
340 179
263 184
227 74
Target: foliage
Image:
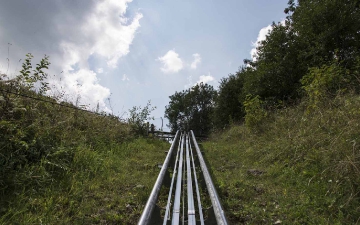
278 68
321 82
59 165
138 118
35 78
316 46
255 114
228 104
330 28
303 168
192 109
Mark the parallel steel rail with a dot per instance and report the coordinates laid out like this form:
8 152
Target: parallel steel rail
151 203
214 197
184 184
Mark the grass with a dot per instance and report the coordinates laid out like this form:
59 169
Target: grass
102 186
63 166
299 167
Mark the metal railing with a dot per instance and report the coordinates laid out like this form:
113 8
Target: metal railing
151 203
184 184
214 197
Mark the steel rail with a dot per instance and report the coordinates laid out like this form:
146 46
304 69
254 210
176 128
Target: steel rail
197 187
190 203
168 205
183 197
176 209
218 210
150 204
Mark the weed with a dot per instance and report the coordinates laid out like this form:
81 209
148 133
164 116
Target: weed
310 163
60 165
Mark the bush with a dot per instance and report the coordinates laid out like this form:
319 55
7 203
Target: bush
255 114
322 82
138 117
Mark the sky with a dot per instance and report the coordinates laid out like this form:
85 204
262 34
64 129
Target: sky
123 53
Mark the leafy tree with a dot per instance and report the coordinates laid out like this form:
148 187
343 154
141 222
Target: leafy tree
314 34
330 28
192 109
279 67
228 104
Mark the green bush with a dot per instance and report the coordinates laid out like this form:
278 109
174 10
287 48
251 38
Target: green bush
138 117
255 114
323 82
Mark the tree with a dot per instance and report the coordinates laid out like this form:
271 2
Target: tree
192 109
279 67
315 33
228 104
330 28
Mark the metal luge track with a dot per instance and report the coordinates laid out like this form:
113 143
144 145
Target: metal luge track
188 186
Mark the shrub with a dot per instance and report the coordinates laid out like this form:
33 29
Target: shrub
138 117
322 82
255 114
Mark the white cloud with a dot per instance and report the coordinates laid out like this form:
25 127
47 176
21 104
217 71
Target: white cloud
105 32
84 84
171 62
125 78
261 37
197 60
205 79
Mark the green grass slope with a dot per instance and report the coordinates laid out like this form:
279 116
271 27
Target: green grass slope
108 185
59 165
299 167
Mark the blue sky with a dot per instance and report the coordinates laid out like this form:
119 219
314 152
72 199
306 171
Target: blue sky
133 51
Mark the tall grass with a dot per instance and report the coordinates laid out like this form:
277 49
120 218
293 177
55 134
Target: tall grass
306 163
59 165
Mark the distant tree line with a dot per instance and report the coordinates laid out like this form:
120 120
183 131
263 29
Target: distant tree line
314 53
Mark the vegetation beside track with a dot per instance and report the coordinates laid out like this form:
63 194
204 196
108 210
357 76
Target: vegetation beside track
299 166
60 164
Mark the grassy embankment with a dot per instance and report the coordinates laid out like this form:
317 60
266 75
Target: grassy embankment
64 166
298 167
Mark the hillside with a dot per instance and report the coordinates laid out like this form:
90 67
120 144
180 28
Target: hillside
284 128
299 166
60 164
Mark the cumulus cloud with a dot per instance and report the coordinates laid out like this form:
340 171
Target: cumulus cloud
111 37
71 32
85 84
205 79
197 60
261 37
171 62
